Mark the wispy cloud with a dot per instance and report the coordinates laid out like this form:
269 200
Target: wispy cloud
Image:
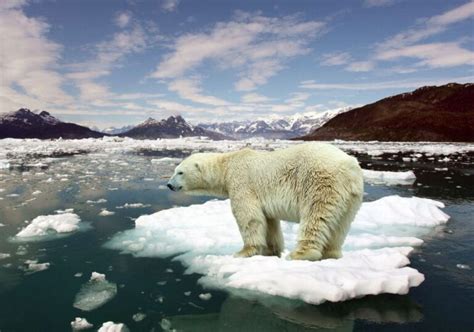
28 61
383 85
361 66
123 19
378 3
189 89
255 45
170 5
434 55
335 59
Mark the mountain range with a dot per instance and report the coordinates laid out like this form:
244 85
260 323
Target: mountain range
172 127
284 127
27 124
431 113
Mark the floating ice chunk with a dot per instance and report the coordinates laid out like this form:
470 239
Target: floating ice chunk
139 316
34 266
133 206
99 201
205 296
374 262
463 266
36 192
166 160
95 293
105 213
4 163
113 327
4 255
390 178
44 226
79 324
166 325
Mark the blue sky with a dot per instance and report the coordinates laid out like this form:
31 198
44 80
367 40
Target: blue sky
118 62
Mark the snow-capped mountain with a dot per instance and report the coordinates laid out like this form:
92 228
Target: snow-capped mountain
172 127
27 124
275 127
117 130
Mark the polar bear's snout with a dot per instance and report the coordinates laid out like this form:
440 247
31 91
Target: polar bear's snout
173 185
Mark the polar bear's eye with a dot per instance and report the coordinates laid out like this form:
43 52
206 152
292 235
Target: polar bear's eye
180 173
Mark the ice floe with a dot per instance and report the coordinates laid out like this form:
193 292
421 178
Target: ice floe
113 327
133 206
33 266
51 226
95 293
389 178
375 252
105 213
79 324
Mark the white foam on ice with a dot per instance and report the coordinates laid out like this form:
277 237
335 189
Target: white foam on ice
113 327
79 324
48 227
95 293
375 252
389 178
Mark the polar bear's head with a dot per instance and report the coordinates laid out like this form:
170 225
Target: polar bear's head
197 174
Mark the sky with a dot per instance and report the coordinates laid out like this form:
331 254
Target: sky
113 63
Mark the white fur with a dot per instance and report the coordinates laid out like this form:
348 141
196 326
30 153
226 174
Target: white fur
315 184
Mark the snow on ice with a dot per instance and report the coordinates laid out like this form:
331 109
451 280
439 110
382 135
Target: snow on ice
113 327
375 252
50 226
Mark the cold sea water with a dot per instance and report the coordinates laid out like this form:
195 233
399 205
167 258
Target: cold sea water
110 189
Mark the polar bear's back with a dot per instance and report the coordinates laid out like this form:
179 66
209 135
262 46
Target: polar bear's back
284 179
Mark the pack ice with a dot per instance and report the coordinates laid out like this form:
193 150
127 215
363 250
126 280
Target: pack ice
375 252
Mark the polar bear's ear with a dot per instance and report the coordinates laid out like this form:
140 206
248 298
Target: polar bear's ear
197 166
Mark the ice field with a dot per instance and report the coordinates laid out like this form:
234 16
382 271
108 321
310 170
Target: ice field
93 220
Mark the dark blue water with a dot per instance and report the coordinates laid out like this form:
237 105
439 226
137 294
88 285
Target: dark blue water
42 301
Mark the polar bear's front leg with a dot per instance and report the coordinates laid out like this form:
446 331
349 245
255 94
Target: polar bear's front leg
252 226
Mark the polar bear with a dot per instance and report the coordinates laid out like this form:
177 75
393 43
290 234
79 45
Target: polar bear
315 184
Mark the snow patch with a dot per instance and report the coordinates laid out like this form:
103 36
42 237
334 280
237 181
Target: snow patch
375 253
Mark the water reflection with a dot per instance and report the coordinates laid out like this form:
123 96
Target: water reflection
239 314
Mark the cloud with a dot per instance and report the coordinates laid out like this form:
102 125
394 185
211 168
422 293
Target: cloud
428 27
399 84
434 55
107 56
256 46
378 3
254 98
189 89
28 61
123 19
170 5
360 66
335 59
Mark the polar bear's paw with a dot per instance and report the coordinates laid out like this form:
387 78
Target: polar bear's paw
306 254
249 251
